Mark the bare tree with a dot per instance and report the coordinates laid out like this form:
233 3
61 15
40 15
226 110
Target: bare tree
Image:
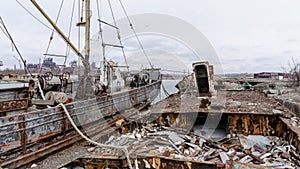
295 71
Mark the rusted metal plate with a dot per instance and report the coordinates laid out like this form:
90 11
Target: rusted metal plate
27 158
237 165
13 93
100 162
9 135
42 124
68 156
254 124
291 133
17 130
185 120
167 163
13 105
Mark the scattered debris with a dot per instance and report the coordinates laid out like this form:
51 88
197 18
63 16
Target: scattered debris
91 149
33 166
163 142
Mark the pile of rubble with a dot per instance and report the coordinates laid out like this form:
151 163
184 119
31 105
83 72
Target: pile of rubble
177 143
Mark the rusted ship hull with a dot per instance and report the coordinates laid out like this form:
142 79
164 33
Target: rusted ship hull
20 131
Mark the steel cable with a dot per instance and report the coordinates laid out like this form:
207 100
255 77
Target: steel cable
133 30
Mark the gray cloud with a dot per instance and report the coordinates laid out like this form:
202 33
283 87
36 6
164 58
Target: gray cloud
262 59
258 46
229 49
249 30
287 52
292 40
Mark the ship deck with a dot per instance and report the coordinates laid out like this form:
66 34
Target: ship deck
226 102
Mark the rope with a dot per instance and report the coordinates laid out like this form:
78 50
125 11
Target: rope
118 33
138 39
40 89
33 15
94 142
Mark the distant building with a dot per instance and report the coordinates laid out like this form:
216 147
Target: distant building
33 67
271 75
47 65
50 64
263 75
1 63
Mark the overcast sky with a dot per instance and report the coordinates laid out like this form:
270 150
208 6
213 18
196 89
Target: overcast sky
248 35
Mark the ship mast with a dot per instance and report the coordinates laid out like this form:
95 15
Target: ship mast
85 59
87 30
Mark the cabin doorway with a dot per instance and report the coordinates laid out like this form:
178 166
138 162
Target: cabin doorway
202 79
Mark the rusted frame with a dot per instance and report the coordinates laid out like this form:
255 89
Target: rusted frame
13 105
98 161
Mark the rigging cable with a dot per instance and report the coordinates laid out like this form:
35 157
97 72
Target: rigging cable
6 33
138 39
102 41
33 15
118 34
51 36
100 25
69 33
82 10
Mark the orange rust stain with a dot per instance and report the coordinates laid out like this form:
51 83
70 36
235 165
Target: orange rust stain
47 135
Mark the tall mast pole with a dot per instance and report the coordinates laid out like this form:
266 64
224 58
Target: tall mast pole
87 30
85 60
